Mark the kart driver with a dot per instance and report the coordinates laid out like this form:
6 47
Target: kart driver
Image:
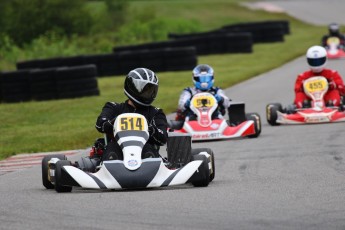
334 31
317 58
141 87
203 78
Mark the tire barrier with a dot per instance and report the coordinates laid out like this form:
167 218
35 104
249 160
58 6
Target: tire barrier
119 63
183 58
15 86
159 60
262 32
43 84
77 81
102 63
48 84
214 43
52 62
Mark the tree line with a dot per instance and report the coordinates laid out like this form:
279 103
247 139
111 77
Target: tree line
22 21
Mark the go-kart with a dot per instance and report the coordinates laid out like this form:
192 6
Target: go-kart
315 88
203 126
183 164
334 51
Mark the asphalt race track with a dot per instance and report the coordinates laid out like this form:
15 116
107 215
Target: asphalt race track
291 177
316 12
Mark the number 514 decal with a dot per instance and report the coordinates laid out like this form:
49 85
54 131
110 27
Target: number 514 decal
131 123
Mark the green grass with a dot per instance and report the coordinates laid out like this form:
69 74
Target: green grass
69 124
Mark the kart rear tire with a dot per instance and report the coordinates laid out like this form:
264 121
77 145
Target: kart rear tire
210 160
201 178
58 177
45 175
271 113
257 123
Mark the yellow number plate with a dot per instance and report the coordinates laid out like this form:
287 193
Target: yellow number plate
204 101
317 85
333 40
131 123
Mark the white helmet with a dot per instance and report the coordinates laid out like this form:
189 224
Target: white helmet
316 57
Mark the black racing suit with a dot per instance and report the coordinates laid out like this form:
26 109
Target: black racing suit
156 120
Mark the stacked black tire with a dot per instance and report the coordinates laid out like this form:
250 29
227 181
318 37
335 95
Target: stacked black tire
159 60
15 86
120 63
261 32
209 43
48 84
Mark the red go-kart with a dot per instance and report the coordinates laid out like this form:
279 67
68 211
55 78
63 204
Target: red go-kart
315 88
334 51
201 125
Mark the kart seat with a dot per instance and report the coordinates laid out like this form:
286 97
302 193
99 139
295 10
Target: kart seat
237 113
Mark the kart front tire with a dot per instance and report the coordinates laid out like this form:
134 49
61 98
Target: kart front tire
45 169
257 123
59 187
210 160
272 113
201 178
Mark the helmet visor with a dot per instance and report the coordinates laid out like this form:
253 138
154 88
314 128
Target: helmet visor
203 79
334 27
141 91
149 93
315 62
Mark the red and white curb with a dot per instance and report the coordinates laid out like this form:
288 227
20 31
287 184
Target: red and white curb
24 161
270 7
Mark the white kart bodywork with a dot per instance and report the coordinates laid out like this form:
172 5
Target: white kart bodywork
106 179
131 133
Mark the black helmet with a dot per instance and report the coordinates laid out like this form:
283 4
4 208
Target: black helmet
333 29
141 86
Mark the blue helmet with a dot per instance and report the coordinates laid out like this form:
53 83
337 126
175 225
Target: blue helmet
203 77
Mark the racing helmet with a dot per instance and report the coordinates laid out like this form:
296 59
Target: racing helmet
141 86
203 77
316 58
333 29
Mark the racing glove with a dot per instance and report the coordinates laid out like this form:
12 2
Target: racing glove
107 126
219 99
341 89
179 115
152 127
187 104
332 85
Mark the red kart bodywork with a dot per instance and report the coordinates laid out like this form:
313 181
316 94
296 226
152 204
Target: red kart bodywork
337 54
205 128
333 49
305 116
315 88
218 129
